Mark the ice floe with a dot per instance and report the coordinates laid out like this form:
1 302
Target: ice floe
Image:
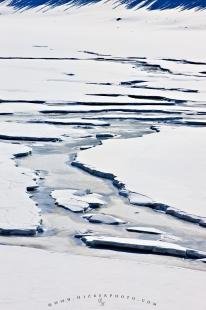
139 245
103 218
146 230
77 201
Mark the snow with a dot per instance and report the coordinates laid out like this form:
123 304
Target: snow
18 213
152 246
150 118
154 40
135 198
34 132
20 107
76 201
163 168
195 122
146 230
103 218
139 245
65 199
55 276
65 72
76 121
104 107
169 166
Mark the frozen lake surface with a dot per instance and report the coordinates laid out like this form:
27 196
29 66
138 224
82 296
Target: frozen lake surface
102 154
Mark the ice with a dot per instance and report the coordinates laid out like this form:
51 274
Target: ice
18 213
20 107
167 168
138 199
54 277
75 201
146 230
118 107
30 132
66 199
97 62
139 245
76 121
103 218
152 118
156 247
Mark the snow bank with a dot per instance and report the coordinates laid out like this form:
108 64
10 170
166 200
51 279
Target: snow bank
18 213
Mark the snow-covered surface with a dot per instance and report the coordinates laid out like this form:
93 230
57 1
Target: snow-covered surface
168 166
156 25
152 246
75 121
76 201
48 277
141 117
146 230
18 213
25 131
91 69
104 107
103 218
82 61
20 107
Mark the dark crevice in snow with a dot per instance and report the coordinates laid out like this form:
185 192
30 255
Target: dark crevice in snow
22 101
21 138
184 61
37 58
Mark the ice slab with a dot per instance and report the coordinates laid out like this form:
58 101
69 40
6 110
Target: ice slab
156 247
103 218
139 245
146 230
77 201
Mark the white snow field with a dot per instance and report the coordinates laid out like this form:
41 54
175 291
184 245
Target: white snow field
44 280
143 73
18 213
168 166
34 132
37 132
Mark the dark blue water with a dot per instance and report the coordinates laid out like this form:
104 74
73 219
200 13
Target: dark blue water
153 5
